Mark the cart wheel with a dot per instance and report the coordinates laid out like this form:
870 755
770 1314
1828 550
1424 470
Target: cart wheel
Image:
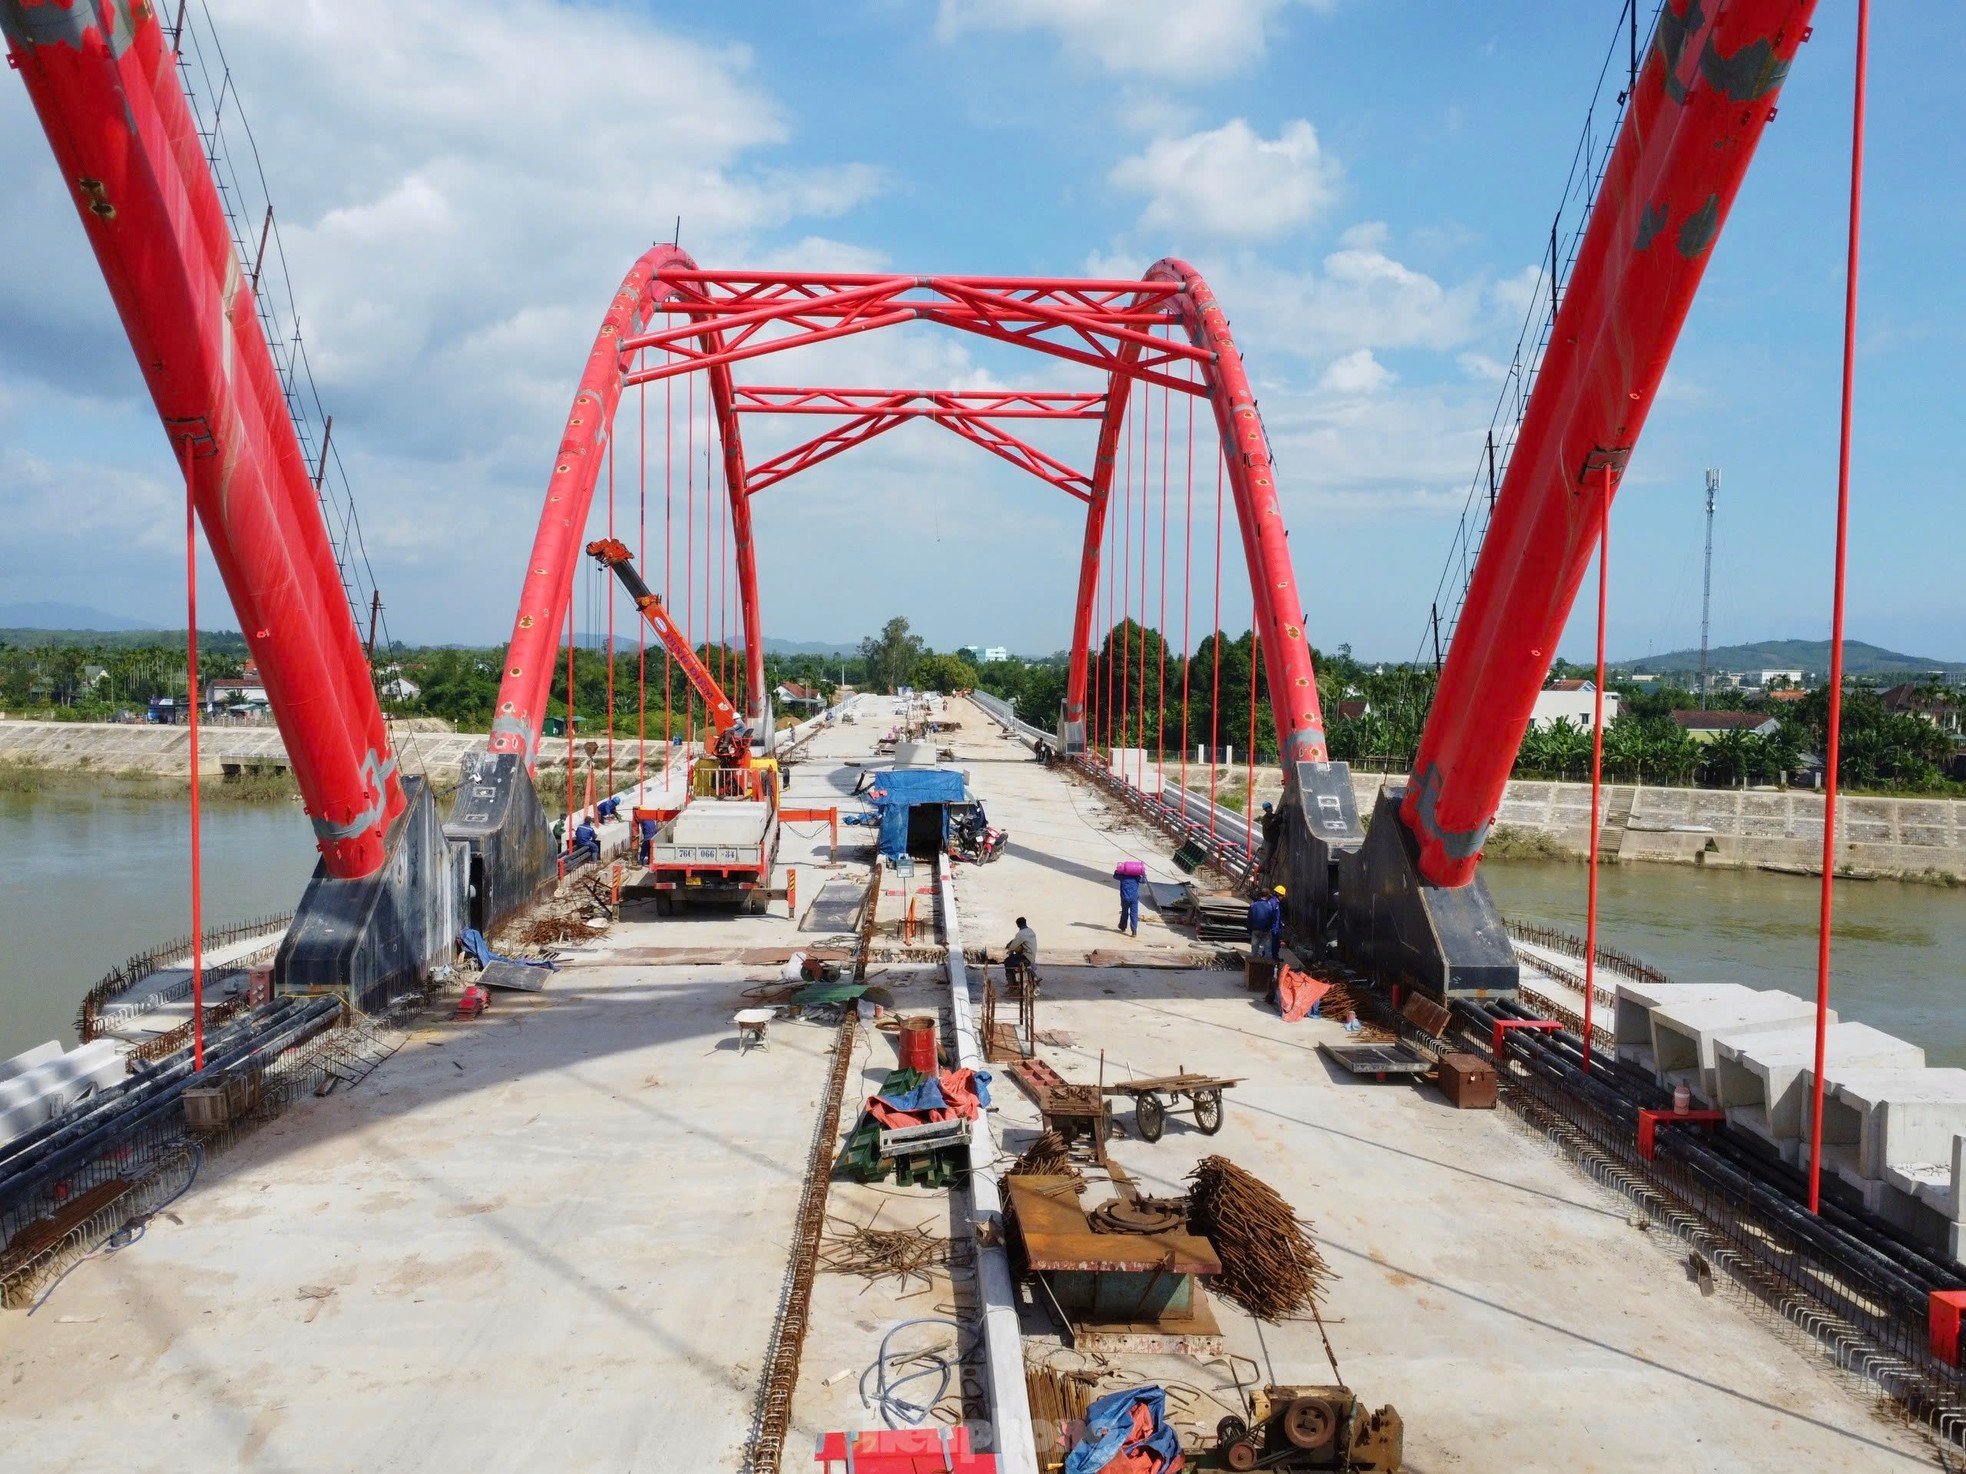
1231 1430
1150 1116
1208 1112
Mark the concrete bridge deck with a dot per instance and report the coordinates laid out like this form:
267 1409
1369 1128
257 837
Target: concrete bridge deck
556 1236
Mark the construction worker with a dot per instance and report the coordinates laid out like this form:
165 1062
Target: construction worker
1266 923
586 844
1020 954
645 827
1128 875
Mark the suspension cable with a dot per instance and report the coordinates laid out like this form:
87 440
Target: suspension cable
1160 721
668 546
1111 580
689 560
1125 598
571 603
197 807
1146 479
1249 798
1597 767
1215 696
1187 593
608 595
641 625
1834 745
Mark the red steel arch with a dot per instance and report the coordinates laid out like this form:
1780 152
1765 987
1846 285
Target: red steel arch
1131 331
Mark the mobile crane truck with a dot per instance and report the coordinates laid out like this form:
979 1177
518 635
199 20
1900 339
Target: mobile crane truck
721 844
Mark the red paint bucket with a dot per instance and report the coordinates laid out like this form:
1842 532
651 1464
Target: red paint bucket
917 1045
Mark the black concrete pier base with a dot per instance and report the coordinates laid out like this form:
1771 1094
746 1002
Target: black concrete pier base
378 936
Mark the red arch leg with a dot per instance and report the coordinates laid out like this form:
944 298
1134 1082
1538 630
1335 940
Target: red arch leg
1278 612
548 586
1071 731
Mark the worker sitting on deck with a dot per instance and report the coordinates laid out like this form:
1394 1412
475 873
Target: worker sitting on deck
586 844
1266 923
1129 874
1020 955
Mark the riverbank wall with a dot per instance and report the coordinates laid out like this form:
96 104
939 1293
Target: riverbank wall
1882 838
141 750
1885 838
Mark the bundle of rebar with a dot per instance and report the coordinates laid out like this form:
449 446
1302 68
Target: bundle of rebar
875 1254
1059 1400
1048 1156
1270 1267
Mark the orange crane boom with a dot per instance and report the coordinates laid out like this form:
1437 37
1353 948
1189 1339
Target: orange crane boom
613 554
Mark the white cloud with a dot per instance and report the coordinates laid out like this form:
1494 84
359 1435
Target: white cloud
1357 373
459 191
1176 40
1482 367
1352 299
1229 181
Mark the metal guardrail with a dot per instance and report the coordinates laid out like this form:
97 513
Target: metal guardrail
1184 815
96 1005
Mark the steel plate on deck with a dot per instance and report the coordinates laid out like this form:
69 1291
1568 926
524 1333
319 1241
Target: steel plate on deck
836 909
515 975
1377 1059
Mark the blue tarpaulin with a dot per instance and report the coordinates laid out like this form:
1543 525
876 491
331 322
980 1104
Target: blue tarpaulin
1109 1432
473 941
895 792
927 1096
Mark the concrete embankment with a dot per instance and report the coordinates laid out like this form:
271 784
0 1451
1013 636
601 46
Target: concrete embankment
1908 838
104 748
1730 828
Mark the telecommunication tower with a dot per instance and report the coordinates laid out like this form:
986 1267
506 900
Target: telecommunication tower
1706 585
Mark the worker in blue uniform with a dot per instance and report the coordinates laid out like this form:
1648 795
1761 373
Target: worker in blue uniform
586 844
1266 923
645 827
1129 901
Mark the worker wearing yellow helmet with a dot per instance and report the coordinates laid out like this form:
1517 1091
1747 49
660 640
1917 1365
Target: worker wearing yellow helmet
1266 923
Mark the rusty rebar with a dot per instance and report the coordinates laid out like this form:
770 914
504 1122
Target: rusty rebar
1270 1266
772 1417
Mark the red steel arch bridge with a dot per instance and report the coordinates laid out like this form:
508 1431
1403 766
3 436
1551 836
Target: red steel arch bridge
395 881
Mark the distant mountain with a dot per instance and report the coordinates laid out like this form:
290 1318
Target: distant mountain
624 639
806 647
66 618
1859 659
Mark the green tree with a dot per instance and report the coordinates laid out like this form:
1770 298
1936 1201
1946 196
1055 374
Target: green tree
890 656
934 672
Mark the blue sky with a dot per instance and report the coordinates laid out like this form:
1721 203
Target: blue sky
1365 181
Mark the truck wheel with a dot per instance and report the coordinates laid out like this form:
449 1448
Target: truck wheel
665 904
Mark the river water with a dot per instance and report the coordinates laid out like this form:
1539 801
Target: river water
87 879
1898 962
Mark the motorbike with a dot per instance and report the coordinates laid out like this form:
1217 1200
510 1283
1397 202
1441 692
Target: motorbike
977 840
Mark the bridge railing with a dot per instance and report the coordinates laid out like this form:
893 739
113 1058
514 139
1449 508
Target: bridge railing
1188 817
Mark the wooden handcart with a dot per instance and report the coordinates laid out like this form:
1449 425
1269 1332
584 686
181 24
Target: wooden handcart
1153 1099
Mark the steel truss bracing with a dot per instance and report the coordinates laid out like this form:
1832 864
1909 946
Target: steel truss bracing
672 319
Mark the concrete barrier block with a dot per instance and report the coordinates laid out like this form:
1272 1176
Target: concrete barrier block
1632 1020
1875 1119
1764 1081
27 1059
43 1092
1684 1032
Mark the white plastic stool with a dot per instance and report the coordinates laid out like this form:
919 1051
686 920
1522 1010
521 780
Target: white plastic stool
751 1024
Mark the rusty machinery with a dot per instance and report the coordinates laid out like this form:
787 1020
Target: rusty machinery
1300 1428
